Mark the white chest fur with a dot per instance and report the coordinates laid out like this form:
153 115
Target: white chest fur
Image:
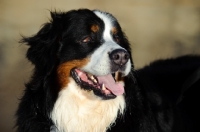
77 110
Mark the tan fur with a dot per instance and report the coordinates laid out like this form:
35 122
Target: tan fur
114 30
95 28
63 70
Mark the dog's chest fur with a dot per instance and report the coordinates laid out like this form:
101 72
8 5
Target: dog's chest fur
75 112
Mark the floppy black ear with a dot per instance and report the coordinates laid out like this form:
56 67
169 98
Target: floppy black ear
40 94
45 44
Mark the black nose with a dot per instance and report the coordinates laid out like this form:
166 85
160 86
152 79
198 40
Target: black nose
119 56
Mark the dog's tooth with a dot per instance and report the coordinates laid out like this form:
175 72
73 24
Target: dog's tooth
103 87
116 76
92 77
95 80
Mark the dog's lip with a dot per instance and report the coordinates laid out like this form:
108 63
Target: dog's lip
105 84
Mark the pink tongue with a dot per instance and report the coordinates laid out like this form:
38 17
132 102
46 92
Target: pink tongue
109 82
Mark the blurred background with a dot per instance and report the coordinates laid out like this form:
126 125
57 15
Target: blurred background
157 29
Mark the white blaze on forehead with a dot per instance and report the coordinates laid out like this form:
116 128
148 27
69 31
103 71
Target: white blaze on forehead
99 60
108 22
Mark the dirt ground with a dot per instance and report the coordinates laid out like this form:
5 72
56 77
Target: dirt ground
156 29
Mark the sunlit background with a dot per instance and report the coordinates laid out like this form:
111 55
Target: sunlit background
157 29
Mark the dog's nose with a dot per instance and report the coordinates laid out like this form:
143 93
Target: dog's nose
119 56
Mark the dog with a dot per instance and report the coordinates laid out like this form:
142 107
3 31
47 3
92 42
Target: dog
84 80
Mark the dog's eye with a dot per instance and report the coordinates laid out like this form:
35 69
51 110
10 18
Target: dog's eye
87 40
116 38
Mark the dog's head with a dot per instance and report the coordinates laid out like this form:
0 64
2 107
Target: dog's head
82 60
88 46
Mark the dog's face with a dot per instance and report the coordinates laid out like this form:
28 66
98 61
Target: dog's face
85 45
93 52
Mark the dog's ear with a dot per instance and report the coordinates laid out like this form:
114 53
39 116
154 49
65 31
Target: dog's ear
42 52
45 44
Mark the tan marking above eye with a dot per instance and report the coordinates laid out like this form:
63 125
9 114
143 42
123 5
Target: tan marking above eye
114 30
95 28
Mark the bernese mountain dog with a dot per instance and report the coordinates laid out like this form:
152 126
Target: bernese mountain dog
84 81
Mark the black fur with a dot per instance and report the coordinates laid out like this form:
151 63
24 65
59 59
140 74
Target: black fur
151 92
152 103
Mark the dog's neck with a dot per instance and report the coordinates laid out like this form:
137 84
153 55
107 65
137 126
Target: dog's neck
76 110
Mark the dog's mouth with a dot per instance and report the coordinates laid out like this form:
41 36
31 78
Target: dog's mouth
106 87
